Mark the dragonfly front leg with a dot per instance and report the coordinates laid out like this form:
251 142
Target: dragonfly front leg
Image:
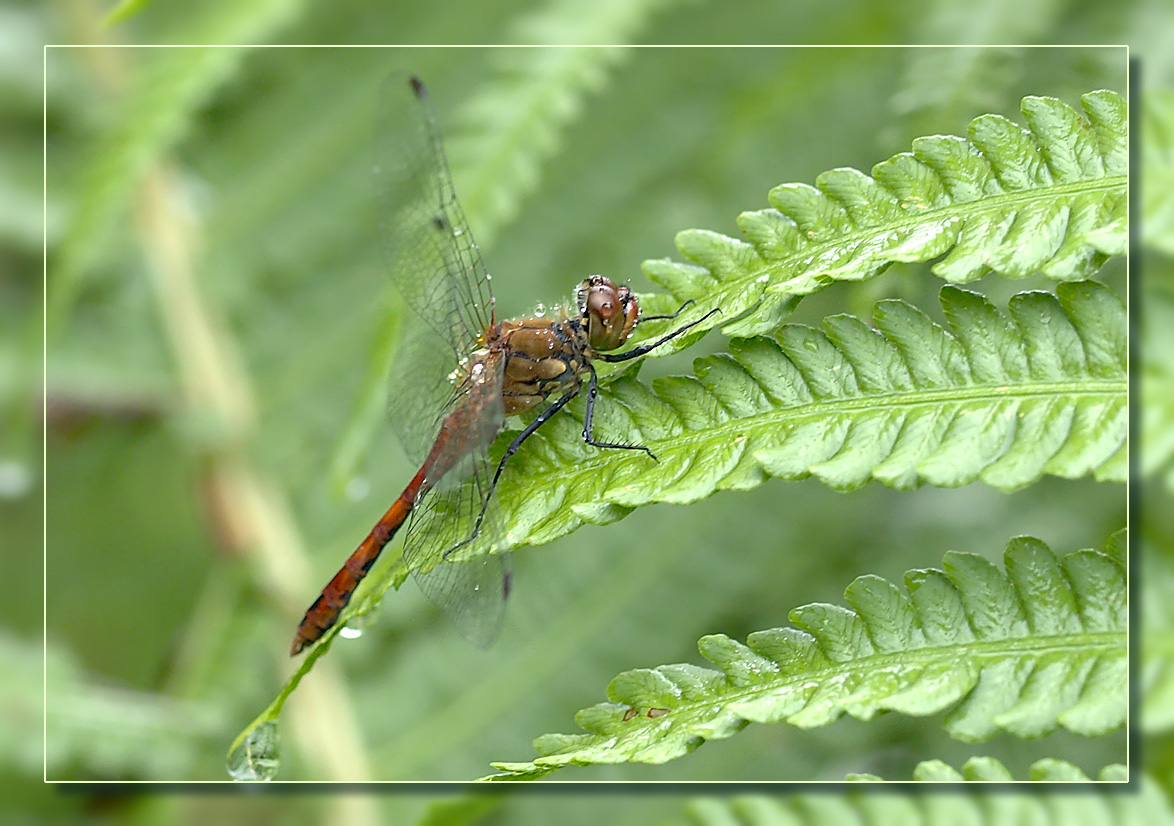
664 316
539 420
648 348
588 436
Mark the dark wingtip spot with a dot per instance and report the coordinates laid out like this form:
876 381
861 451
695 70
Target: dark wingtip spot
507 583
417 86
440 223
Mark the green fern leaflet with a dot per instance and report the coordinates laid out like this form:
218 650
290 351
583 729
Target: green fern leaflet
991 770
972 806
1050 198
1039 647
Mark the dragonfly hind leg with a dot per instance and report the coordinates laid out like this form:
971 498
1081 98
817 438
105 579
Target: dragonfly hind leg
588 435
540 420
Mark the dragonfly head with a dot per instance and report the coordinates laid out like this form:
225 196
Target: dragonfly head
608 312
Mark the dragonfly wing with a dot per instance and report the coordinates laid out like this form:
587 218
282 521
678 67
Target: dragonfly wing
432 256
454 527
420 393
432 260
471 594
471 585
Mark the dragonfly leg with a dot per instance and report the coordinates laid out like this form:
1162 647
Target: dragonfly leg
540 420
588 435
647 348
665 316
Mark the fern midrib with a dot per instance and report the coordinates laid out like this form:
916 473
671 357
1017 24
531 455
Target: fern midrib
980 651
822 408
964 210
1083 645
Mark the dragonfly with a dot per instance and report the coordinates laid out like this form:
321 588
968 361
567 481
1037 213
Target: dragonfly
460 375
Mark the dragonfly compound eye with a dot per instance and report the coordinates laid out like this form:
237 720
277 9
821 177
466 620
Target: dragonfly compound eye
609 312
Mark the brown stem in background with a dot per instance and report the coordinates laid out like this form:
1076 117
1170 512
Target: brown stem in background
250 513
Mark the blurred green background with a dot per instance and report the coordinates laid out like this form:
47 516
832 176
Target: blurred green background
216 302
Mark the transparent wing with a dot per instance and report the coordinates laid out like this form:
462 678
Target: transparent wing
420 392
458 573
432 260
472 593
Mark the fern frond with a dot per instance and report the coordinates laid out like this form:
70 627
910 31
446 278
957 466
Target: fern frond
170 84
994 398
973 807
989 769
1050 198
502 134
1027 651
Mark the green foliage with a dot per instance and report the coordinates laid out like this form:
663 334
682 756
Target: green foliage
154 116
505 134
991 398
1157 190
120 732
1053 807
125 10
462 811
1156 675
1157 333
989 769
1024 652
1050 199
604 155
